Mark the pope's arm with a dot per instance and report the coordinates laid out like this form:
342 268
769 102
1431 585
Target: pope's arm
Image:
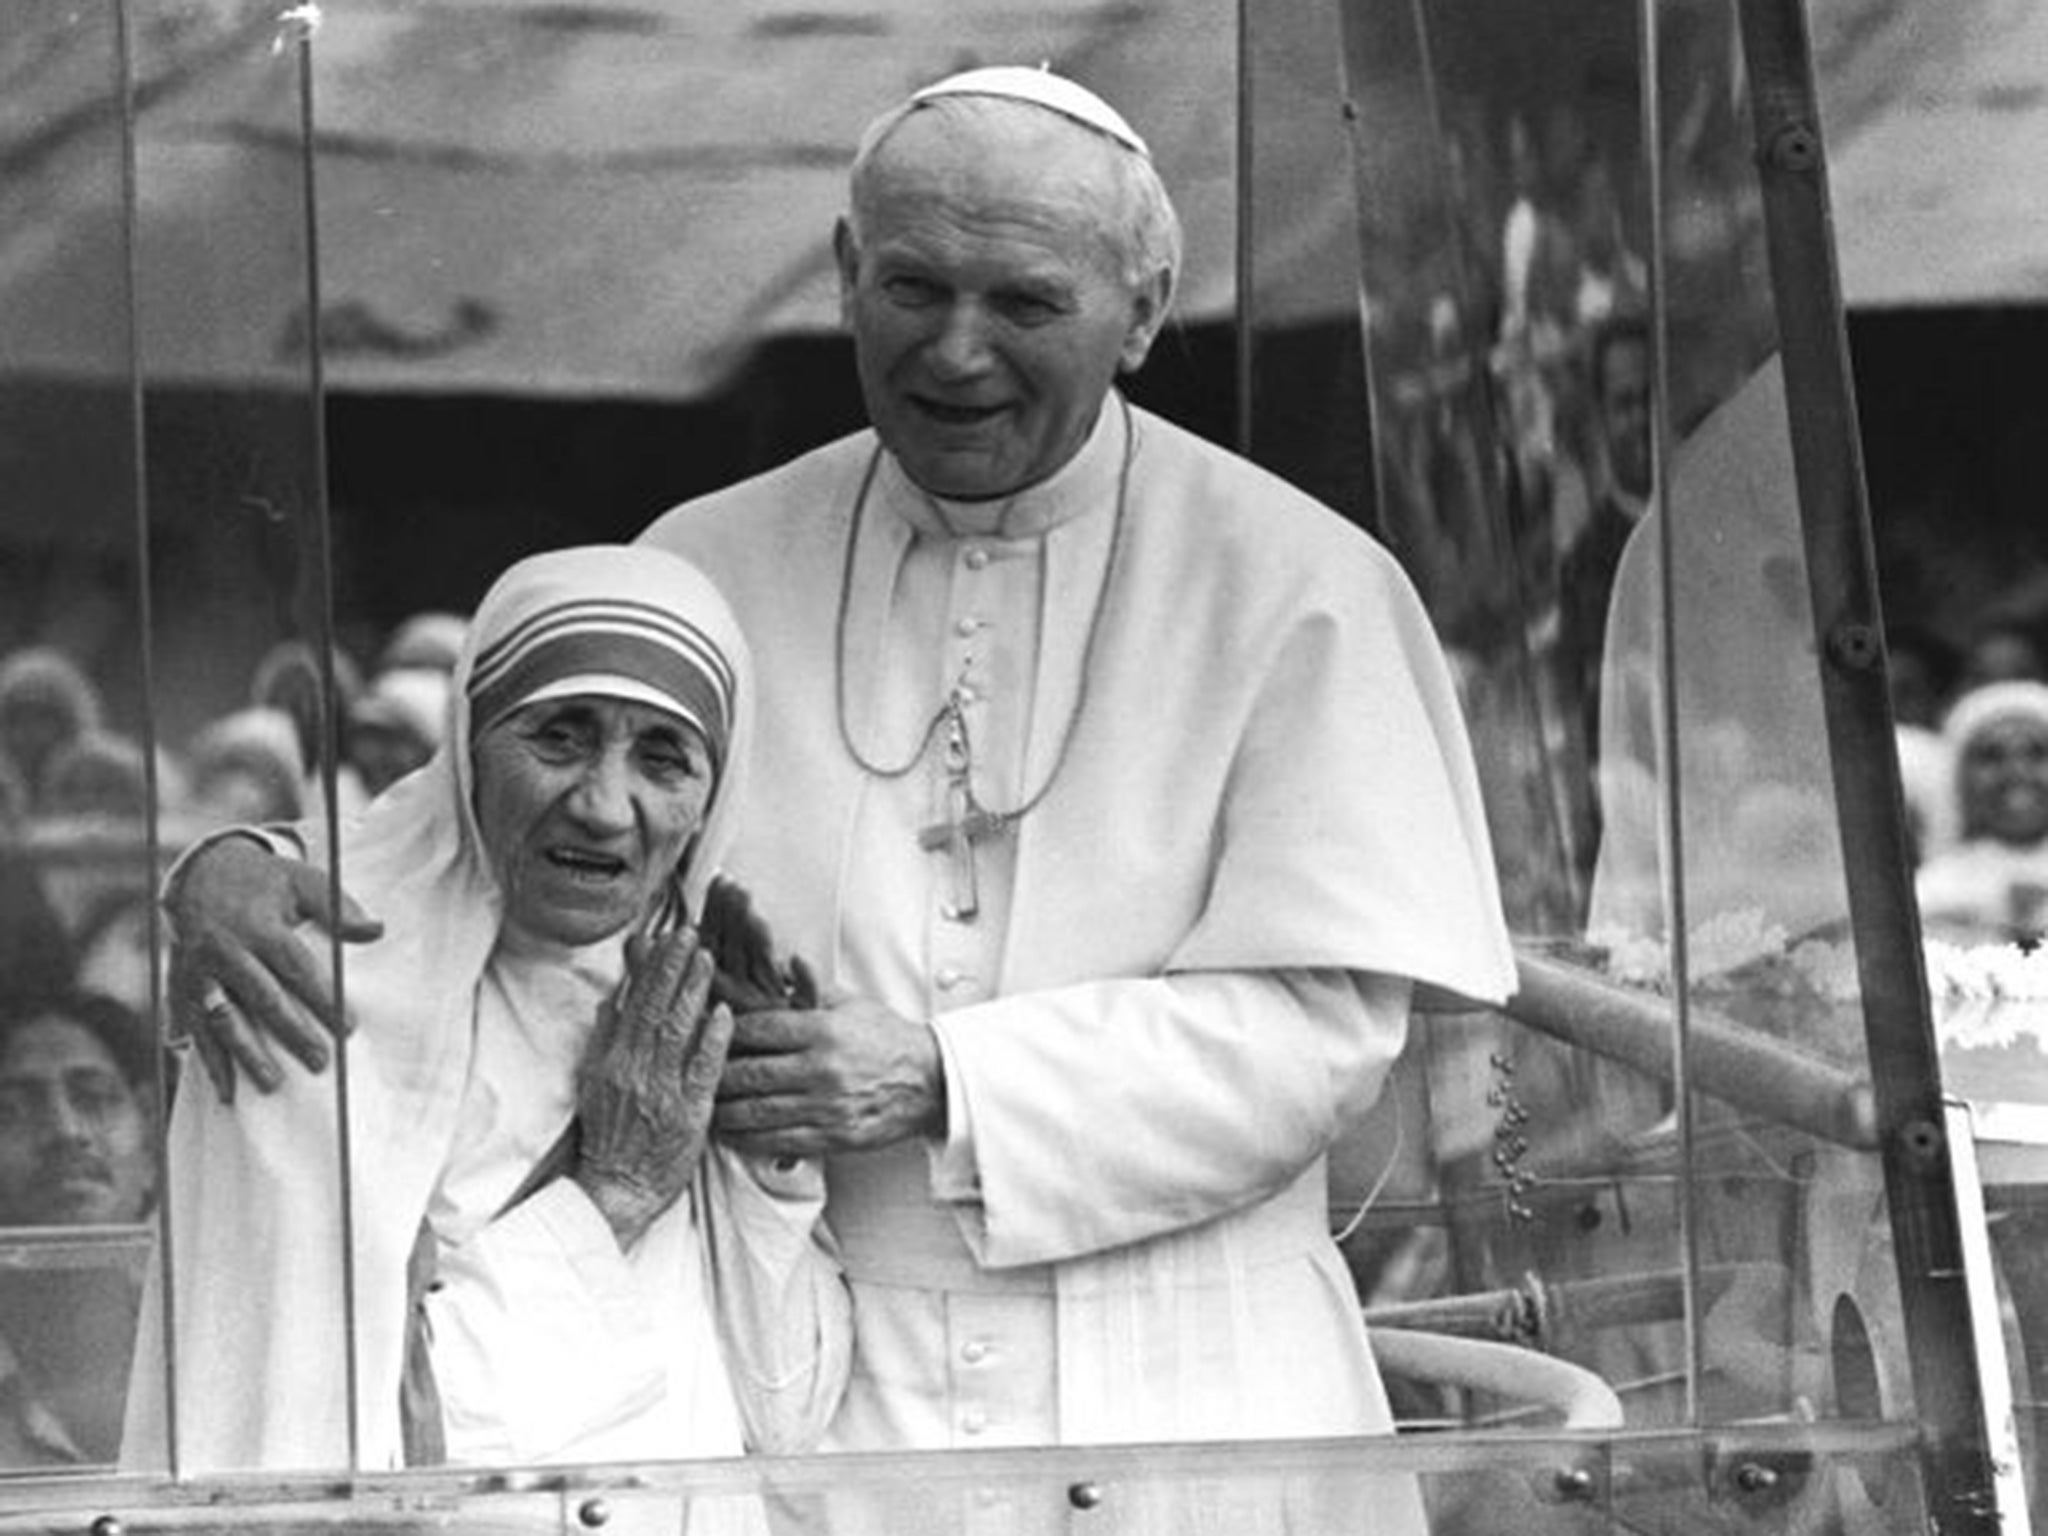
1348 859
249 909
1086 1117
1078 1118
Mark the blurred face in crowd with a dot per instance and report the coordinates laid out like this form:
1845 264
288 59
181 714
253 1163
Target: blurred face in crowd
1625 413
585 805
383 754
76 1137
985 276
2001 654
32 729
2004 780
237 795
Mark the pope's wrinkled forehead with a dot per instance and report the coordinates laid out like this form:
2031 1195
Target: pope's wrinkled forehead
1013 107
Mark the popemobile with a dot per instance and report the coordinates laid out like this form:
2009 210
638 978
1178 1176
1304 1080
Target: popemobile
1719 1224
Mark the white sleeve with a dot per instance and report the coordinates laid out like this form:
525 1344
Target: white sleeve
785 1320
539 1333
287 841
1086 1117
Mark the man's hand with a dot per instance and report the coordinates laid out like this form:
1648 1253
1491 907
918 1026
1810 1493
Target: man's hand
243 973
645 1093
749 978
850 1075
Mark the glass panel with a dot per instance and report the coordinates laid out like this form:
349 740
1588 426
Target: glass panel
243 690
1502 201
1660 1162
78 1081
1300 294
1788 1480
1808 1478
1544 1232
1796 1310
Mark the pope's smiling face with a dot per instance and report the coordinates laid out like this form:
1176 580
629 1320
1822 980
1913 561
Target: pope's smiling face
585 805
984 283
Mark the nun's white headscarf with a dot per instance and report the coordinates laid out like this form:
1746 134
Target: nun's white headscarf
262 1344
614 621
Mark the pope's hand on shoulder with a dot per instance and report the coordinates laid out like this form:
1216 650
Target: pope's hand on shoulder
645 1092
847 1075
244 968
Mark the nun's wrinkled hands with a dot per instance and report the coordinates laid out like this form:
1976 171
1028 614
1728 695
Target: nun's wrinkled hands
248 963
649 1082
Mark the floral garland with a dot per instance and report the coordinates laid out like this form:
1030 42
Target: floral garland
1966 984
1969 986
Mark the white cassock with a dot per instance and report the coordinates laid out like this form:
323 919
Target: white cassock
1253 822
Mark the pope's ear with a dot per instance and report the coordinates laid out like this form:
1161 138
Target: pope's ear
846 255
1149 304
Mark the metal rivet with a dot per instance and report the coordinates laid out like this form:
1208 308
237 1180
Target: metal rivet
1754 1477
1921 1139
1795 147
1085 1495
1575 1483
1854 645
593 1513
107 1525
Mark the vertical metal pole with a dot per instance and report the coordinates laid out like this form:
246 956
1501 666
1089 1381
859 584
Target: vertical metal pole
1678 922
302 25
1905 1065
131 278
1980 1269
1247 315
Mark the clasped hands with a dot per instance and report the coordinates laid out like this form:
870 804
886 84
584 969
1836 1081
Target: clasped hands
786 1072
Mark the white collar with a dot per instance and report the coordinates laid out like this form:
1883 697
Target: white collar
1085 483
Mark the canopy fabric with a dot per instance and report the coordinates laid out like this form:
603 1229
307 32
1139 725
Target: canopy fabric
558 198
619 198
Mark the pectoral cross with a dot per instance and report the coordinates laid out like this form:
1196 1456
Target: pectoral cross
967 821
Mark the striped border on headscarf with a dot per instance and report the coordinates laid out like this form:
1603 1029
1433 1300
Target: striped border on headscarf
607 637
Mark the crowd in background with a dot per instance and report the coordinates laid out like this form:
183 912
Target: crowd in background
1973 758
75 788
79 1079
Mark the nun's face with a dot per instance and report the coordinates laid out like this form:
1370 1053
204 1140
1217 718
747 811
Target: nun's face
585 805
2004 780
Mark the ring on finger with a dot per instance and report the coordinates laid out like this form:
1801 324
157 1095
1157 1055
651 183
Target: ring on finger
214 1001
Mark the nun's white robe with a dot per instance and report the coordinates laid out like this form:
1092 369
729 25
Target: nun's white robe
725 1324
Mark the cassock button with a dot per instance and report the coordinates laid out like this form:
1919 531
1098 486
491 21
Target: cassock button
973 1421
977 558
974 1351
966 629
948 978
